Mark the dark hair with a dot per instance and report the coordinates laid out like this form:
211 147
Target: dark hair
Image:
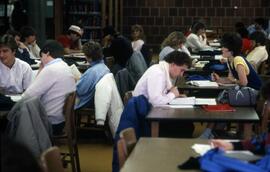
17 157
258 37
121 49
13 33
8 41
265 90
197 26
54 48
239 25
27 31
262 22
108 30
243 32
233 42
92 50
178 58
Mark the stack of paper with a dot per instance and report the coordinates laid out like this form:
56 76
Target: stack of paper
193 101
203 83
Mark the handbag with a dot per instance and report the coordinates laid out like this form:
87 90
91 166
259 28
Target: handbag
243 96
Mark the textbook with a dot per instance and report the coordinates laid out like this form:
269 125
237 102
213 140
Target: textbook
218 108
203 83
193 101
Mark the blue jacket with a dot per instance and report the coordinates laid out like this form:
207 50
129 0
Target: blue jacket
86 85
133 116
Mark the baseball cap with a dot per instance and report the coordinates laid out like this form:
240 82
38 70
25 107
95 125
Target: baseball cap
76 29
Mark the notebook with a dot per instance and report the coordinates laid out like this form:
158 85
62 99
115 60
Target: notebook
193 101
218 108
203 83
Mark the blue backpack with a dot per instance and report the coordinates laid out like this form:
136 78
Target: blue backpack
215 161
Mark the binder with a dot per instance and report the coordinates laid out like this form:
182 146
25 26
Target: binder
218 108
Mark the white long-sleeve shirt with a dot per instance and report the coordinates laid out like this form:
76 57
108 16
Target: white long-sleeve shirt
153 85
16 79
257 56
195 43
52 84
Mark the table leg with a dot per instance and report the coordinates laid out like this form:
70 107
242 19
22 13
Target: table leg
154 129
247 130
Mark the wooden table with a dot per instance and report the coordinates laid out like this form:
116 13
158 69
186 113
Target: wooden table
244 115
160 155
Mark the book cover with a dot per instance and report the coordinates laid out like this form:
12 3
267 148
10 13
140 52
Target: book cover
218 108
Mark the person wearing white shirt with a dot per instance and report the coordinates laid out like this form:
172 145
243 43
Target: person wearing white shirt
137 35
197 40
16 75
156 85
174 41
29 39
259 52
52 84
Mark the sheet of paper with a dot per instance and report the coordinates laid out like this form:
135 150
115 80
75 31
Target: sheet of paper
183 101
203 83
205 101
201 149
16 97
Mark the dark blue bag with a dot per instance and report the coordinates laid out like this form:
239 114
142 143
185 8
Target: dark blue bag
215 161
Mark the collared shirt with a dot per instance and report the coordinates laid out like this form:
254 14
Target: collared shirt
52 84
86 84
153 86
16 79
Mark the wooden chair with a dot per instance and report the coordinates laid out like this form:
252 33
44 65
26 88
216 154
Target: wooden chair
85 120
51 160
125 144
127 96
69 137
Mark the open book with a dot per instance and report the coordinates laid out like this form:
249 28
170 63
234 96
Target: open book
193 101
203 83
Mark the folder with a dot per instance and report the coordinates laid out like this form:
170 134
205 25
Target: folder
218 108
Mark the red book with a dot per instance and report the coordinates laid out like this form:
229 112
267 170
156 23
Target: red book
218 108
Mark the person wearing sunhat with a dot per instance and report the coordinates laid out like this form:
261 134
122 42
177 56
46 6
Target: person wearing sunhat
71 41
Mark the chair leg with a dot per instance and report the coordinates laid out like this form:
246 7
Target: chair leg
72 160
77 160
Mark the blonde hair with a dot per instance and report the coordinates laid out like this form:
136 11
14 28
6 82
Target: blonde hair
173 40
139 28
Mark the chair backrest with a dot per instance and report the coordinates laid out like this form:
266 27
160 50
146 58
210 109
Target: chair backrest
68 110
125 144
129 137
51 160
127 96
265 118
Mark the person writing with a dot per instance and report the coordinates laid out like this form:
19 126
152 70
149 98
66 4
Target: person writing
241 71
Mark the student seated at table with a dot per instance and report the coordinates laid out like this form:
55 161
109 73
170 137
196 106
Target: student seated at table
257 144
174 41
86 84
259 52
241 71
71 41
22 52
28 37
197 40
156 85
52 84
16 75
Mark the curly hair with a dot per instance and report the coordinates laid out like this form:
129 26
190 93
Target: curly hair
92 50
173 40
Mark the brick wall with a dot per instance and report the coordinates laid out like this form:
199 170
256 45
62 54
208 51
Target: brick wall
160 17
